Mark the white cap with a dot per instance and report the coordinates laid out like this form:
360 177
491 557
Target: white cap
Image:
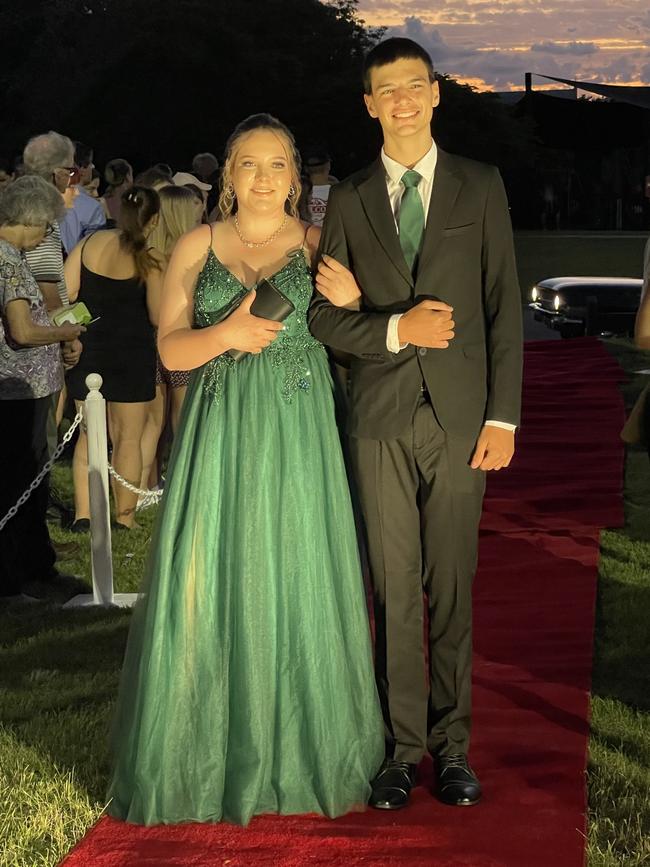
183 178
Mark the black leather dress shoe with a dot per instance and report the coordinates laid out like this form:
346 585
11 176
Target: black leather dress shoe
392 786
57 510
457 782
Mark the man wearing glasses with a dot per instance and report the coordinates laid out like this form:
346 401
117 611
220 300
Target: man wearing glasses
86 214
51 156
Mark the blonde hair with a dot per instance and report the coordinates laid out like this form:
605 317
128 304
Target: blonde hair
178 214
227 200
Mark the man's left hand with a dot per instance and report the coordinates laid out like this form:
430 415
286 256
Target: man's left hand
494 448
337 284
71 353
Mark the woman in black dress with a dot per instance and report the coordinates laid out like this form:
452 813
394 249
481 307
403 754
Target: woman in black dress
118 276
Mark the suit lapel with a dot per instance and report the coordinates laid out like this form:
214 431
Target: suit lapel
374 197
447 182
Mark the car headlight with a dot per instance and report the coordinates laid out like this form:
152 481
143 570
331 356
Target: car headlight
557 302
535 293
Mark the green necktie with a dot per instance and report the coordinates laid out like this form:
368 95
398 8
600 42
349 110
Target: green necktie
411 219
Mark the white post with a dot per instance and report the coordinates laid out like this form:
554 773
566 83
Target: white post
100 516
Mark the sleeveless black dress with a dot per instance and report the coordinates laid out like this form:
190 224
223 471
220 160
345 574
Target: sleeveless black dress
120 346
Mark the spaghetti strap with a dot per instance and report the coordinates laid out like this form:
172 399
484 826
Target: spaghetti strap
211 238
303 246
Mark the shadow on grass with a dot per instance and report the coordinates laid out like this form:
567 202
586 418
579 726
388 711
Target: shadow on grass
621 670
633 748
60 674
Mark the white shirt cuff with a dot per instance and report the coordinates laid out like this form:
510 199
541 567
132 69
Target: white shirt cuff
504 424
392 338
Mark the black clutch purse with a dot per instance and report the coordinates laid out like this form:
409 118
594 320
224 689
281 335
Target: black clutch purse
269 303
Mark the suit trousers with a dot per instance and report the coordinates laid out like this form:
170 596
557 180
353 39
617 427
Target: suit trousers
421 504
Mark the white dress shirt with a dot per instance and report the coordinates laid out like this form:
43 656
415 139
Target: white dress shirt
426 167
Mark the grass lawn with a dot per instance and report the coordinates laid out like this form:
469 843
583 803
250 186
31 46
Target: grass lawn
59 676
60 671
619 749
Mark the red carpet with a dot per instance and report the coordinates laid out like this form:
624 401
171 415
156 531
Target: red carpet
535 595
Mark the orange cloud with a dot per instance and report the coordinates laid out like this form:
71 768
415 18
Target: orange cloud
492 45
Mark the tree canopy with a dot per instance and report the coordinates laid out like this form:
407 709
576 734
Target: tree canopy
163 80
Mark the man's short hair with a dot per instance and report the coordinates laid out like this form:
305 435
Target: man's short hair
390 50
315 158
165 168
83 154
47 152
199 163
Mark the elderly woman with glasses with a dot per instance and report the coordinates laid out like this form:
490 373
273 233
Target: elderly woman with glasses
51 156
32 355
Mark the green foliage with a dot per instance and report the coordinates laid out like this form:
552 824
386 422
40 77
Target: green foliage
162 82
479 125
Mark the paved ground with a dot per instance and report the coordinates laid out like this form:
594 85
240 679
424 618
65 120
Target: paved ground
537 330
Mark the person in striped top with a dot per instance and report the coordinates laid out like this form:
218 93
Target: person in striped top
51 157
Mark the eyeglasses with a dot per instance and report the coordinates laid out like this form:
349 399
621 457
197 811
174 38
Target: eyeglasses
73 174
47 229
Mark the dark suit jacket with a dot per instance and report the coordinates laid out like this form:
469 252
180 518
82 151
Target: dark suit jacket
467 260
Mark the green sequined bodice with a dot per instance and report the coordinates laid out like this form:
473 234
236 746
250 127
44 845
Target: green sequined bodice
217 287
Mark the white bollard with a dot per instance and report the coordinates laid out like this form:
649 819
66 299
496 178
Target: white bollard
100 515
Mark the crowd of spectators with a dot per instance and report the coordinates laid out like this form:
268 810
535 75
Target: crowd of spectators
71 233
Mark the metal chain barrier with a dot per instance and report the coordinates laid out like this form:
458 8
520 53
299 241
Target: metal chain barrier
148 498
46 469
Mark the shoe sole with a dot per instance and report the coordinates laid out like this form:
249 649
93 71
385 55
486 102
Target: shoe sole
459 803
388 807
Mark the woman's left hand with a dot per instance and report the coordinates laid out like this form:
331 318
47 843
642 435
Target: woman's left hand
337 284
71 353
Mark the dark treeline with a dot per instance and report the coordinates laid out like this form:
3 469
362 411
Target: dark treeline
160 80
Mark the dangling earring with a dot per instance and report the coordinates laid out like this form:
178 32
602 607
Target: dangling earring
292 191
229 197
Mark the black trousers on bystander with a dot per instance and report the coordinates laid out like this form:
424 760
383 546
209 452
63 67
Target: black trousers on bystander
26 553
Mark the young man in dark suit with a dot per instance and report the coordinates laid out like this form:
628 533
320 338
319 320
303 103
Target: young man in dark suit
435 384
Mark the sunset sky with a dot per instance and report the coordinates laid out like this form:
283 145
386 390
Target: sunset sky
492 44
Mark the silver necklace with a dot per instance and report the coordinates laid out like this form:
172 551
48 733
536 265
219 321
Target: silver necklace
268 240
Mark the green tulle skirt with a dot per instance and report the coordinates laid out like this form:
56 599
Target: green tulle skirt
248 685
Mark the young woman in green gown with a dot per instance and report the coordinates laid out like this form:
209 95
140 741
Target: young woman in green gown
248 683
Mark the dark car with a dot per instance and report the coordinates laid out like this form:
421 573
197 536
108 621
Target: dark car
576 306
